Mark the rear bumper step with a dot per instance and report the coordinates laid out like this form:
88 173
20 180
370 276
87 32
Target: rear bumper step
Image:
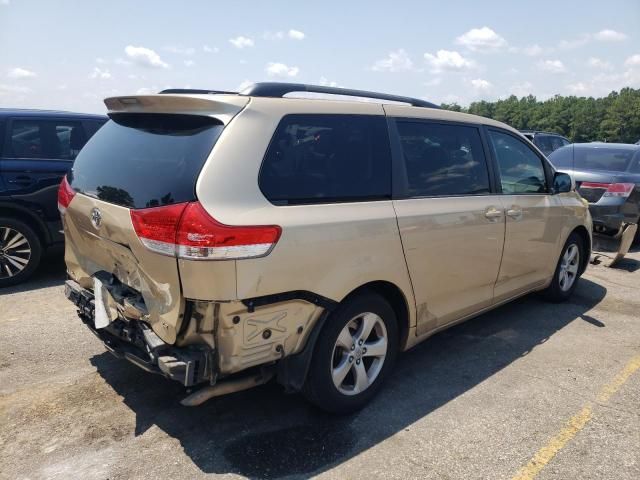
134 341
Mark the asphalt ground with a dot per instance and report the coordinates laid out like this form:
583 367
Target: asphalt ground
530 390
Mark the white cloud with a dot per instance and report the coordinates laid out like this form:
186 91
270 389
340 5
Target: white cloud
296 34
552 66
579 88
101 61
533 50
145 57
595 62
273 35
433 82
397 61
208 49
147 90
244 84
241 42
20 73
189 63
481 84
121 61
326 83
181 51
445 60
99 73
521 89
481 39
633 61
575 43
12 89
275 69
608 35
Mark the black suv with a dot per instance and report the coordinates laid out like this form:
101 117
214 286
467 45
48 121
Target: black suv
547 142
37 147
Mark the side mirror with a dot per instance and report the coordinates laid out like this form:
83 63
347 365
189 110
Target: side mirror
563 183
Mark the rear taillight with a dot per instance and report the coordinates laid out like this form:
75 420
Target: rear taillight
187 231
65 195
611 189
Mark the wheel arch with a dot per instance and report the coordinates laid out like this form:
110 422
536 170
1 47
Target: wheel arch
396 298
584 235
28 217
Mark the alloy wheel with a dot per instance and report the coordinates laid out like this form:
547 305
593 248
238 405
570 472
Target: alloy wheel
15 252
569 267
359 353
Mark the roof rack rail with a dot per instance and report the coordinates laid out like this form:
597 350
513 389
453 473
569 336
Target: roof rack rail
278 90
195 91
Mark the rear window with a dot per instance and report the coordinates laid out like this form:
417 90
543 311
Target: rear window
327 158
606 159
562 158
145 160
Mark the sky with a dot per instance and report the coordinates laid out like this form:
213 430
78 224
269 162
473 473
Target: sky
71 54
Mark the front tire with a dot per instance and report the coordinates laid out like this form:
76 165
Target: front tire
568 270
20 251
355 352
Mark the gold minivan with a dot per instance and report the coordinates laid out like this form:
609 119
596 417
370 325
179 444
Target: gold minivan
224 239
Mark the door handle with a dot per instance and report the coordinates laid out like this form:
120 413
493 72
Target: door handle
493 213
515 212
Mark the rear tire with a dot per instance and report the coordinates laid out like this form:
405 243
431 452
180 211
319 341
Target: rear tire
349 365
568 270
20 251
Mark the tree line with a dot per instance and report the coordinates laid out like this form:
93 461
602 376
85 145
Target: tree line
614 118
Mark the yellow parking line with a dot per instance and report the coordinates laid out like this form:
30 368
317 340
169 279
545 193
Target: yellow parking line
575 424
608 390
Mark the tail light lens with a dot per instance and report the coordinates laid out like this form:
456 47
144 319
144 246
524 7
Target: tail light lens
65 195
187 231
612 189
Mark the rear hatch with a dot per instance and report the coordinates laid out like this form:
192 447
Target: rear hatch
132 180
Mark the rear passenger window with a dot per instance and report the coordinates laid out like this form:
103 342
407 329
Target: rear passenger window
60 140
521 169
443 160
327 158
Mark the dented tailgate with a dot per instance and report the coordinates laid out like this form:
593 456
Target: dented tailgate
147 158
113 246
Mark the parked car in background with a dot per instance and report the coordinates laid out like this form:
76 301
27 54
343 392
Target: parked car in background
222 239
547 142
607 175
37 147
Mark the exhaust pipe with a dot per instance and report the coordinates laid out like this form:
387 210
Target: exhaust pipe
224 388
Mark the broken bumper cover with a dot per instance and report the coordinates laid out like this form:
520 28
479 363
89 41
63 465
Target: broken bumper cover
134 341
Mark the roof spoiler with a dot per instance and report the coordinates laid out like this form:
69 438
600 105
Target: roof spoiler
223 108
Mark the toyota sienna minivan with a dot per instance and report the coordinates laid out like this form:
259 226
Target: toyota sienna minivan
224 239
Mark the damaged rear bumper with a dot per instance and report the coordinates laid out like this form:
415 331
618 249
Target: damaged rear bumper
136 342
613 247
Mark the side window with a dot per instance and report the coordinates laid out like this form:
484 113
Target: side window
327 158
521 170
67 141
557 142
443 160
46 139
544 143
26 139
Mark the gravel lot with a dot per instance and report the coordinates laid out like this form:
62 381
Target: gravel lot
477 401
